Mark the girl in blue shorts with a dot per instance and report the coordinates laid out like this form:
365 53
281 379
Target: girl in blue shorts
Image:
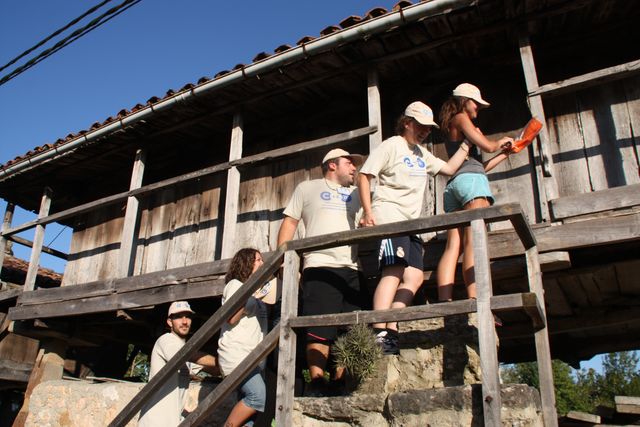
468 188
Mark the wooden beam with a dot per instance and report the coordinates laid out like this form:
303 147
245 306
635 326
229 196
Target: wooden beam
627 404
232 190
547 186
584 417
499 303
587 80
45 249
143 297
491 399
6 224
374 108
127 252
38 240
233 380
200 338
15 371
541 337
287 351
596 201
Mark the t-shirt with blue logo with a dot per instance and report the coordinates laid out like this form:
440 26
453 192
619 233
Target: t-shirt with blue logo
326 207
402 177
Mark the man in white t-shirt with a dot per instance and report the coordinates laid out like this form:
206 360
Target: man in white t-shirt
330 279
165 408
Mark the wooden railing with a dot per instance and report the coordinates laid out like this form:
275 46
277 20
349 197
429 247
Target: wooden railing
531 302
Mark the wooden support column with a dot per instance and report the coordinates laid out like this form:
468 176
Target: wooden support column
49 366
233 190
127 252
287 349
547 185
38 240
543 351
491 400
6 224
375 109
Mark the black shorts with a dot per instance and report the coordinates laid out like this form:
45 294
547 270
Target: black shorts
403 250
327 291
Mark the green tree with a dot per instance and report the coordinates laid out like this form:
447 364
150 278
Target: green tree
620 377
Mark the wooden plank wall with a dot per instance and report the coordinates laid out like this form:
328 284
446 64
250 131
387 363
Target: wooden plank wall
595 136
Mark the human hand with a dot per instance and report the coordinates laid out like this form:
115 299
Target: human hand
506 144
367 220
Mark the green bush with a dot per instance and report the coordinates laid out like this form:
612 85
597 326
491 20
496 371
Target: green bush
357 352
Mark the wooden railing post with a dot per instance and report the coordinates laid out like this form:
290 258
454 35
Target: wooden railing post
127 250
374 108
491 400
232 191
6 224
543 351
38 240
287 349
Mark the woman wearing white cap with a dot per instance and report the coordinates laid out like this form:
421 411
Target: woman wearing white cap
468 188
401 166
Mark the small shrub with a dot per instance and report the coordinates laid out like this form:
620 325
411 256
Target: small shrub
357 352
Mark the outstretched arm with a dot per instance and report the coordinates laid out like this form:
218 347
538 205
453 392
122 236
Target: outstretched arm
456 160
476 137
364 187
287 229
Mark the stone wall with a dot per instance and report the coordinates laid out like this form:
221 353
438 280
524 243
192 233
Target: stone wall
65 403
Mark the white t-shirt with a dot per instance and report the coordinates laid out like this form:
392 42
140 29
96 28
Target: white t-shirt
326 207
402 177
165 408
237 341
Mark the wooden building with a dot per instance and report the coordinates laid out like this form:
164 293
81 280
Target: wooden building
159 195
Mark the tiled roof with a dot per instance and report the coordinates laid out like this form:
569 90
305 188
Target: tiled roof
345 23
15 270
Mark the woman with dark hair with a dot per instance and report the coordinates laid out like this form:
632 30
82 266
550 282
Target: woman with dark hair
240 335
401 165
468 188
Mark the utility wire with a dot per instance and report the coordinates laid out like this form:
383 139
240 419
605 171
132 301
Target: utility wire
105 17
40 43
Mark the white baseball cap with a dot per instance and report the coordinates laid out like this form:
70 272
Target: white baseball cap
179 307
356 159
421 112
470 91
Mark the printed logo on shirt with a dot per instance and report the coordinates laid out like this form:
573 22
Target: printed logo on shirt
326 195
416 168
400 252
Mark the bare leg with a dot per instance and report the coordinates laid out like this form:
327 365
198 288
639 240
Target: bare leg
386 290
447 266
317 356
239 415
411 281
467 260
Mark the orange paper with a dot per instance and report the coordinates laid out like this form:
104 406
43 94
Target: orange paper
527 136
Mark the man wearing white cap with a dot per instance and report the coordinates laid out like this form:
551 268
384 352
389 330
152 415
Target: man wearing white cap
401 166
330 278
165 408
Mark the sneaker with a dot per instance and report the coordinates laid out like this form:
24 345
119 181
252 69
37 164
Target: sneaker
388 343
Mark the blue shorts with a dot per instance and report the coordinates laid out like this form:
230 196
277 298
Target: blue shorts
464 188
403 250
253 391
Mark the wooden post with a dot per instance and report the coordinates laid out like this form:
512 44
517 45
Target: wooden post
547 185
287 349
375 110
491 400
543 351
49 366
233 190
38 240
127 252
6 224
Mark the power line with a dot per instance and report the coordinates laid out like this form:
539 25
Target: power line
55 33
95 23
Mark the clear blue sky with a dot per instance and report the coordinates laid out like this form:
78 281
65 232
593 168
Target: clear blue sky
154 46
